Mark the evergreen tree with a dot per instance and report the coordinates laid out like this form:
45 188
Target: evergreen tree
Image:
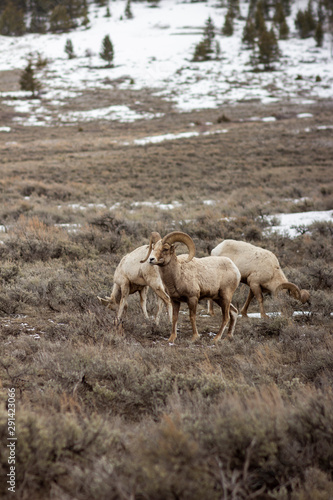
12 21
252 8
286 7
259 19
228 27
305 22
209 30
108 13
84 15
233 8
75 10
39 16
279 16
69 49
249 34
59 19
217 50
268 49
37 23
28 80
41 61
107 52
204 50
283 30
319 34
128 10
280 19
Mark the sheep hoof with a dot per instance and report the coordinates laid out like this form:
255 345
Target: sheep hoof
195 338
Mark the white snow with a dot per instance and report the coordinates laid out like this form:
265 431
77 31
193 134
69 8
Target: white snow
155 49
171 137
288 223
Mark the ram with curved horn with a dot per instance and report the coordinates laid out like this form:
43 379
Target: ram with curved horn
132 275
190 279
260 270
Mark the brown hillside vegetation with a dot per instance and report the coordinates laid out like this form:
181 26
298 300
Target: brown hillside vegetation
106 411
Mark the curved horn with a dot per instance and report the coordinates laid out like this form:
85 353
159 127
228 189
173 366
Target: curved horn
154 237
181 237
301 295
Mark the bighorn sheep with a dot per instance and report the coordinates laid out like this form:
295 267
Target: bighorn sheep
188 279
260 270
131 275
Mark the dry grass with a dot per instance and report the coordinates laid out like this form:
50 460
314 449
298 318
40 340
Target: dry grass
108 411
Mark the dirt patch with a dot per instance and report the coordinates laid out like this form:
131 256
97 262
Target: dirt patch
9 80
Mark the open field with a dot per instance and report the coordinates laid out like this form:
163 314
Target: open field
106 412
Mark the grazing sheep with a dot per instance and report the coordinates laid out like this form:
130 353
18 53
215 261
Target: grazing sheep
188 279
260 270
131 275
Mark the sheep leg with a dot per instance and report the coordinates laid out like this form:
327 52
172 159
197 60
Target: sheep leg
123 301
166 299
175 313
233 318
247 303
225 307
143 301
160 305
210 307
192 305
256 290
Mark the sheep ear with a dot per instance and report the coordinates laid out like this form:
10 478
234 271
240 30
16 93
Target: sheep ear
173 248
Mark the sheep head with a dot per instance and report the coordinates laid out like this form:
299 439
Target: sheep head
301 295
163 249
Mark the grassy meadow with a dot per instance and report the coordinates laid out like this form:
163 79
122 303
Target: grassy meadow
115 412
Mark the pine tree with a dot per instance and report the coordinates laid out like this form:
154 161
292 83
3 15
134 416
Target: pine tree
217 50
268 49
249 34
209 30
233 8
279 16
69 49
12 21
59 19
280 19
28 80
37 23
286 7
128 10
305 22
228 27
259 20
319 34
39 16
107 52
204 50
283 30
